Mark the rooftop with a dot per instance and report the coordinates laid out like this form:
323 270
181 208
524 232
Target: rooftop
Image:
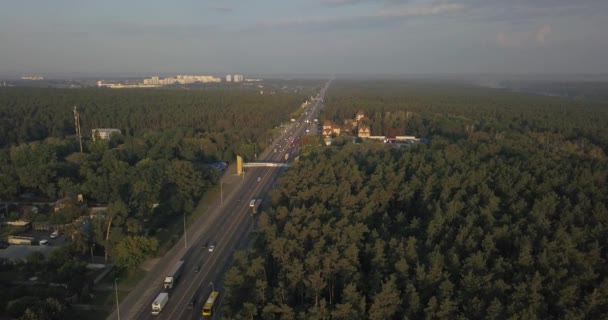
20 252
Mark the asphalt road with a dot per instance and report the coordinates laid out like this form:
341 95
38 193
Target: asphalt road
226 226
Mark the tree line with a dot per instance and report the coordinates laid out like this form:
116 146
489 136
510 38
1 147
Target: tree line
147 177
155 170
458 111
506 222
32 114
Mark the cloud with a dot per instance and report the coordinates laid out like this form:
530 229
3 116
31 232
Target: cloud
408 11
529 11
522 38
339 3
221 8
166 30
508 40
542 34
385 15
343 3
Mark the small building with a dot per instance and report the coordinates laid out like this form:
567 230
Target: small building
360 115
352 123
363 131
98 212
327 128
46 226
335 129
20 240
28 210
18 223
20 253
104 133
62 203
410 139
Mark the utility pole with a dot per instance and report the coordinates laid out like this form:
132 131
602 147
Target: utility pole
185 235
117 306
77 126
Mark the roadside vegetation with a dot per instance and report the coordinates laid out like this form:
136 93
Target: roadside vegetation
501 215
141 180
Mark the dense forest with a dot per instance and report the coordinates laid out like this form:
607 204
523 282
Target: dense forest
147 177
41 153
502 215
457 111
30 114
590 89
155 170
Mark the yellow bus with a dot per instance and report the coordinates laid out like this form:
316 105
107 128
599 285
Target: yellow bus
208 307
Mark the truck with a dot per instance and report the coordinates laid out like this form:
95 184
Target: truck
173 276
255 205
159 303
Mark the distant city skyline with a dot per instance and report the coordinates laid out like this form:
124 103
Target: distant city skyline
65 38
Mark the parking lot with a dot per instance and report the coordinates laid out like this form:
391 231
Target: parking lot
40 235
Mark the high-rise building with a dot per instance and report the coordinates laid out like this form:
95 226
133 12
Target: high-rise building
228 78
238 78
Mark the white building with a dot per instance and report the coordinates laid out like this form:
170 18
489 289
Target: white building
238 78
228 78
182 79
104 133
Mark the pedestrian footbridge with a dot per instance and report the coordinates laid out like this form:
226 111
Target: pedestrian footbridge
264 164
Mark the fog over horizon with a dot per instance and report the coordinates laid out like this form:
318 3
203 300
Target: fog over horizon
405 38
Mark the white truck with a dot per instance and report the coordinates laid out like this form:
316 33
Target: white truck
173 276
255 205
159 303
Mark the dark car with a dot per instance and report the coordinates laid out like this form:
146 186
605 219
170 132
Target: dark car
197 268
192 302
206 244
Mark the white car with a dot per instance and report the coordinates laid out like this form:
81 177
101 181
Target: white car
44 242
211 248
55 234
259 179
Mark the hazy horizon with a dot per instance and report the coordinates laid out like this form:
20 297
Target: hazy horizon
354 37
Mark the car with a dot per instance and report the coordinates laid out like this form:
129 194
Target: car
211 248
197 269
55 234
44 242
193 301
259 179
206 244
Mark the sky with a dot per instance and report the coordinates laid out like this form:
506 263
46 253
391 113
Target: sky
147 37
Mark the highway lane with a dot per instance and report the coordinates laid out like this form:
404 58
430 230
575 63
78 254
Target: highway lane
226 239
224 226
235 220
